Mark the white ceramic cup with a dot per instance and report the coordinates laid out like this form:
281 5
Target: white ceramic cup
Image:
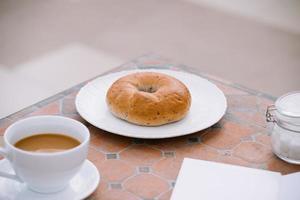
45 172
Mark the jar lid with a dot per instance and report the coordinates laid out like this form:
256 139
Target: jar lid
289 104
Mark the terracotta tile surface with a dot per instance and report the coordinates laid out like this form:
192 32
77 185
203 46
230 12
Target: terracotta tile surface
166 196
226 137
4 123
2 130
76 117
100 191
141 155
168 144
152 186
167 168
50 109
96 157
263 103
275 164
107 141
253 152
116 195
115 170
68 106
253 117
140 169
197 151
242 102
264 139
233 160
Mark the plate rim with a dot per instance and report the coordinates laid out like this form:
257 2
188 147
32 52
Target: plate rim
176 134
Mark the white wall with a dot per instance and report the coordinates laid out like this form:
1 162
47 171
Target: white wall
284 14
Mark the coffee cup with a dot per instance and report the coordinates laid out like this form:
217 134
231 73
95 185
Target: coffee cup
45 172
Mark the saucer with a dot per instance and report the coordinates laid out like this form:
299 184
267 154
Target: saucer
81 186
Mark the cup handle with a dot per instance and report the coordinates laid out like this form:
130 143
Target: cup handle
3 152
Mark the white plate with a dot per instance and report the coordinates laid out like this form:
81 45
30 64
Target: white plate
208 106
81 186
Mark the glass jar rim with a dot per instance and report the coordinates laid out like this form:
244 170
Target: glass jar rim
279 104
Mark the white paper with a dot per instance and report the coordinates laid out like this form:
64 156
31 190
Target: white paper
290 187
204 180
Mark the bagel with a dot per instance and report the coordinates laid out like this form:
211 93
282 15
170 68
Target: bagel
148 99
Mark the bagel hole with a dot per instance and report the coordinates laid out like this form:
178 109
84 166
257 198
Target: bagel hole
148 89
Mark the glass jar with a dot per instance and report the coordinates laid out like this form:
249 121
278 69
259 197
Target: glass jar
285 138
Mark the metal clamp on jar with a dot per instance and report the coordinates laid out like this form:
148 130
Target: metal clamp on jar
285 114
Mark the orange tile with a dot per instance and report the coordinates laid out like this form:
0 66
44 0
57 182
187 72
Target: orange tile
107 141
221 139
197 151
96 157
256 118
146 186
167 167
233 160
141 155
169 144
115 170
264 139
226 137
116 195
203 132
243 102
237 129
50 109
100 191
253 152
166 196
4 124
77 117
68 106
276 164
2 131
263 103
